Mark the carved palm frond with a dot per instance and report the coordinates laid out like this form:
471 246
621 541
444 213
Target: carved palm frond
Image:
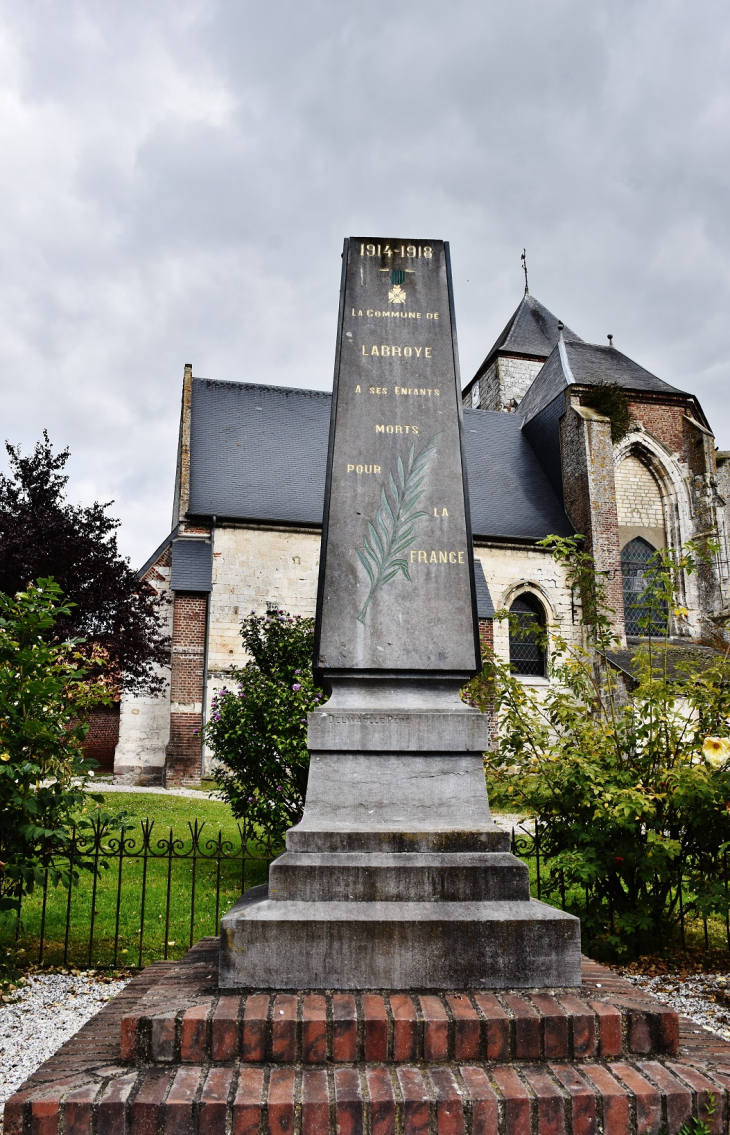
388 537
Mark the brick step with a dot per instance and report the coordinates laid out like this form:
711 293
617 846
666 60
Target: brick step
459 1099
332 1028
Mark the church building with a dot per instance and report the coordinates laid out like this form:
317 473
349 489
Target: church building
544 455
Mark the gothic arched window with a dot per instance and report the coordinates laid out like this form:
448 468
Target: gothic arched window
526 636
635 558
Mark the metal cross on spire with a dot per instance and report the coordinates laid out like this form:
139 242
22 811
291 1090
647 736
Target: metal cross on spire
523 258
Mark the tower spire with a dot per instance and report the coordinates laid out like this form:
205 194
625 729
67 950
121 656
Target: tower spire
523 258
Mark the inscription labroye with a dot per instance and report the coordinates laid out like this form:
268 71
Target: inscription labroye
396 876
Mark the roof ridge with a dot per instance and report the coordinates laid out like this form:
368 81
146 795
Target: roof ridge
263 386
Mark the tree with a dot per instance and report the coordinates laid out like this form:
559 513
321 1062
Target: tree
43 535
258 730
629 790
45 695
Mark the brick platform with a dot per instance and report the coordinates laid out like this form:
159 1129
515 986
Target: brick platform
171 1055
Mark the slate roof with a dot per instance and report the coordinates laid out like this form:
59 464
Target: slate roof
587 364
259 453
192 565
509 493
678 656
532 330
485 606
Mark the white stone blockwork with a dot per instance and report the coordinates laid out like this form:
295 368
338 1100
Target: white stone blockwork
510 570
638 496
505 383
144 722
253 569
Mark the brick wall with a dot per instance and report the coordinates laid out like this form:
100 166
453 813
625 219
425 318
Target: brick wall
101 740
182 765
665 421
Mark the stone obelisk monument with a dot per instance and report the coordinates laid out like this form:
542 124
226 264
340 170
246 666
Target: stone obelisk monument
396 876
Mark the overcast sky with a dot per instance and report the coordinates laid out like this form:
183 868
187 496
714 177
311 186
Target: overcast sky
177 177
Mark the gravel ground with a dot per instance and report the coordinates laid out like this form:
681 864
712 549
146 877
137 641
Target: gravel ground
42 1016
703 997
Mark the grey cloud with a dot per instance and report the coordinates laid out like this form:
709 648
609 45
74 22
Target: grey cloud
178 178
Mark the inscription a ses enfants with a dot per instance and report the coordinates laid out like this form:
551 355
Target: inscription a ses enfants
423 391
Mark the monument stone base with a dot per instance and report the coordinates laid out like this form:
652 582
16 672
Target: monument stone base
397 878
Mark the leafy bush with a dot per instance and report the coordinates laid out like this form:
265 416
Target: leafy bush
630 791
258 731
45 694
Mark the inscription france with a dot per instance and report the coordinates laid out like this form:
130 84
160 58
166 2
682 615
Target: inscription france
386 604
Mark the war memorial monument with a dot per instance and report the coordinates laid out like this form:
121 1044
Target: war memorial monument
395 978
396 876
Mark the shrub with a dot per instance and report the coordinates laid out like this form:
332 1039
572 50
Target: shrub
630 792
258 730
610 399
45 694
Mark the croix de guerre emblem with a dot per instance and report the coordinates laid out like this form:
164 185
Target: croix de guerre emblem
397 292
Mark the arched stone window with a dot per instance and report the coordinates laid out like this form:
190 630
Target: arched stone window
526 644
634 559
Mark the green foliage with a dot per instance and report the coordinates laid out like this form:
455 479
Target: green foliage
258 731
45 695
382 554
630 792
610 399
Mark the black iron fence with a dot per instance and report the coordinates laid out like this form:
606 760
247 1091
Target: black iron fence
142 894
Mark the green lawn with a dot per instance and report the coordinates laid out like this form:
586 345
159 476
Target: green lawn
202 877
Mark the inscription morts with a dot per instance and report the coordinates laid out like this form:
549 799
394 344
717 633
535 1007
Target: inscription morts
396 580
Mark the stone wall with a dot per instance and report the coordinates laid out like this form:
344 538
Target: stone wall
590 493
516 376
256 569
504 384
511 569
639 503
144 723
